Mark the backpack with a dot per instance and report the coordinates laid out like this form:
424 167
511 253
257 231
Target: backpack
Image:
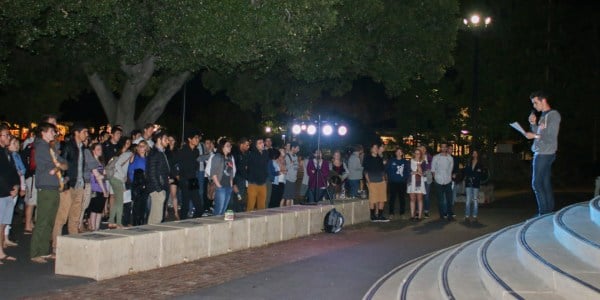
28 158
109 170
333 221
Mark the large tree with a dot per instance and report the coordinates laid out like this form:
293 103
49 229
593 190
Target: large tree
390 41
132 48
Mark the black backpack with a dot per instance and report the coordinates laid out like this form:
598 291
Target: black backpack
333 221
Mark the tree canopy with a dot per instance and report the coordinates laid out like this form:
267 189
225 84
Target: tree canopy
260 52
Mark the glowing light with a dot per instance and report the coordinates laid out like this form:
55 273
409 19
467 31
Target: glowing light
342 130
475 19
311 129
303 127
296 129
488 20
268 129
327 129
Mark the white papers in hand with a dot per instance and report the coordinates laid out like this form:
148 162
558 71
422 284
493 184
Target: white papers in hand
517 127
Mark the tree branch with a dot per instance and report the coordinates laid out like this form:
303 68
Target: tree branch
107 98
157 105
137 77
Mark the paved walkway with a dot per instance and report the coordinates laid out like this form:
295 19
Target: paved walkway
322 266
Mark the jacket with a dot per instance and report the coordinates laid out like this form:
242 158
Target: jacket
8 174
157 171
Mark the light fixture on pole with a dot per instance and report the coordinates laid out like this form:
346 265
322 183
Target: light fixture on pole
474 22
320 128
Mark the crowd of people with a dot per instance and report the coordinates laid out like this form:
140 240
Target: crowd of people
145 177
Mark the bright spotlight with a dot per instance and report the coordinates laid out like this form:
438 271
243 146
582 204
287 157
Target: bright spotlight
311 129
327 129
303 127
475 19
268 129
296 129
488 20
342 130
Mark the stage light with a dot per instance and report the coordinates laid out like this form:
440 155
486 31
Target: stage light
327 129
268 129
342 130
303 127
311 129
296 129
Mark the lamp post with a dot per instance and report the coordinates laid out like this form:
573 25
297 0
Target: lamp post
476 24
319 127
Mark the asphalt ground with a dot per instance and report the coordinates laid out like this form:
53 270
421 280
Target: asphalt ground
321 266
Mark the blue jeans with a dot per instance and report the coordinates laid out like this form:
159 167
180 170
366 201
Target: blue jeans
541 182
444 199
353 185
472 197
426 197
315 195
222 196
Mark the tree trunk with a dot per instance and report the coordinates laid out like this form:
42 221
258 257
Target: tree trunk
122 111
157 105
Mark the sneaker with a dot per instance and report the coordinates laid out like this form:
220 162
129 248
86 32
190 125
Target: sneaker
383 219
466 220
474 220
374 219
426 214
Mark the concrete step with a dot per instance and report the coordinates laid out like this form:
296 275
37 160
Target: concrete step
503 274
422 282
559 268
575 230
388 286
459 276
595 210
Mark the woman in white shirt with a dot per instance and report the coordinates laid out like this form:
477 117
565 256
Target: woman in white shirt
416 185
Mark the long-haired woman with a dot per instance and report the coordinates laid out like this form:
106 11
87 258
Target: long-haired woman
118 182
222 171
99 189
136 175
416 185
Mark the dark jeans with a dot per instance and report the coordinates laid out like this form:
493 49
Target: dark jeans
427 197
127 214
239 205
444 193
541 182
188 195
202 191
353 187
139 209
276 195
315 195
397 190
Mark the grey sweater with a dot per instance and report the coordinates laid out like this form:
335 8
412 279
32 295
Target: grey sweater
43 165
355 168
547 143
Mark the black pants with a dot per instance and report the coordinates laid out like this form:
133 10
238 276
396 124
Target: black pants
276 195
126 214
188 195
139 209
397 190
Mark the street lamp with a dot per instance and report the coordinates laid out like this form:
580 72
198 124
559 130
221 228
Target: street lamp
319 127
475 24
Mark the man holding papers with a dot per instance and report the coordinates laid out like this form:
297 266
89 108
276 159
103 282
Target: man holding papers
544 133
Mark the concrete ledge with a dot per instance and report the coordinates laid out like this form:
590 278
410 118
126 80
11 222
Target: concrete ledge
93 255
113 253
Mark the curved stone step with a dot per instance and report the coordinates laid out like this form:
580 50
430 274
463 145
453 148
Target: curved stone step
421 282
388 286
502 273
459 276
558 267
595 210
575 230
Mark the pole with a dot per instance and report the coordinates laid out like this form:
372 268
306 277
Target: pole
183 114
475 94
